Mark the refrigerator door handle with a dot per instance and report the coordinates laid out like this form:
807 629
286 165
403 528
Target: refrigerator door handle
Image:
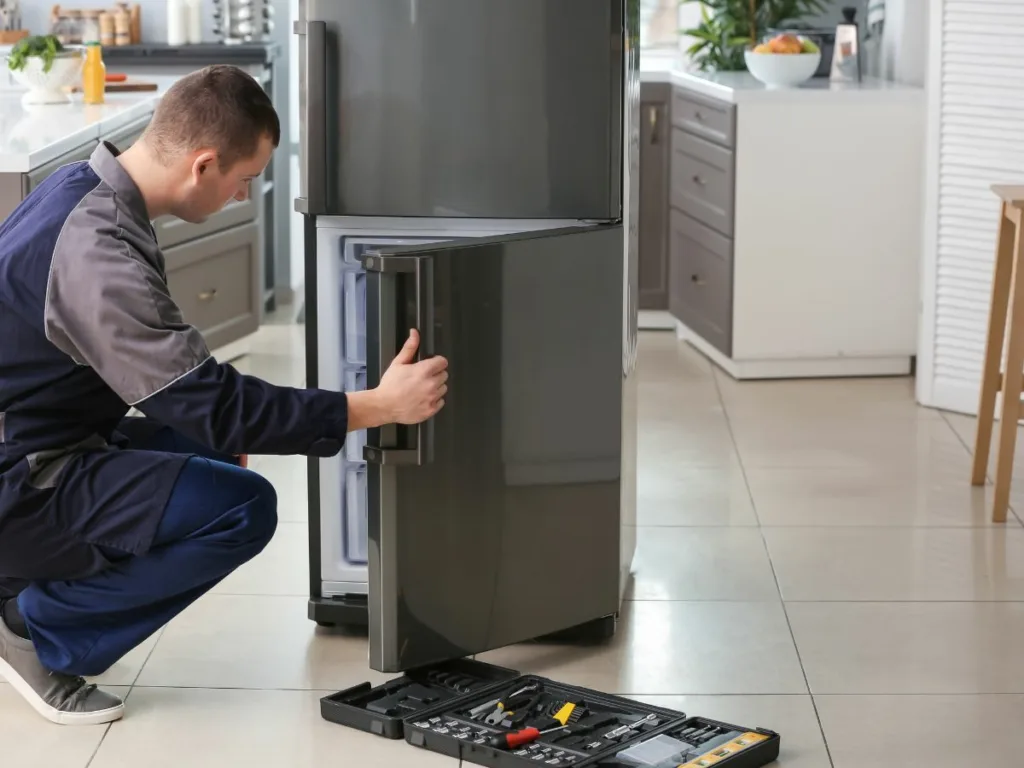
386 272
314 120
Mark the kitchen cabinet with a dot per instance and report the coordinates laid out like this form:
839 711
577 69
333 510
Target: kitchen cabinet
655 129
792 222
216 281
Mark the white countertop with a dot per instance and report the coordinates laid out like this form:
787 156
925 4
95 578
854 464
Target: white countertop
33 136
742 87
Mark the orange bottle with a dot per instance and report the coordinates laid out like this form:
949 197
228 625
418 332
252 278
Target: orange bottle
94 74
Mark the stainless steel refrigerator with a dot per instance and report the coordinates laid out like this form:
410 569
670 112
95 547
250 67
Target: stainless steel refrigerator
469 168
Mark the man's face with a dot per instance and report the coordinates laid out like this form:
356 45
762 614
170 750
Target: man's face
209 188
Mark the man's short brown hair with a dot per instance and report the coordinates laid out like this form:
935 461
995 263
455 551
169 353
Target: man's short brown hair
222 108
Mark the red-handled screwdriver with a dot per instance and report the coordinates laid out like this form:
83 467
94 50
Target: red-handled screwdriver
519 738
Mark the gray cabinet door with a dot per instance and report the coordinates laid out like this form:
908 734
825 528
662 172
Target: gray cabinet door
655 156
701 284
171 231
216 282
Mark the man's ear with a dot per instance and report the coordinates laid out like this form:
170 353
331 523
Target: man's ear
203 162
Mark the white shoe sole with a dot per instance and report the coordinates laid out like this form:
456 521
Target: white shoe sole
52 714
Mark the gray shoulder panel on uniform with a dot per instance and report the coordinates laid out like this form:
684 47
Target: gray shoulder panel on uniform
109 307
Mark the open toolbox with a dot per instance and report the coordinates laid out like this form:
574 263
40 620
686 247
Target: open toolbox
494 717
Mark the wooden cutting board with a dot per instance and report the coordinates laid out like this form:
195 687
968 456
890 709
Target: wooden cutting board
127 86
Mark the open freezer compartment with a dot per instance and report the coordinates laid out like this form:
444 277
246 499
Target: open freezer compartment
336 360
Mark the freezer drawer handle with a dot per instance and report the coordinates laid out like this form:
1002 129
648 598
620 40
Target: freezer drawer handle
390 269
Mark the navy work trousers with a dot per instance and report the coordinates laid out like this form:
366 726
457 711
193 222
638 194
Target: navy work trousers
219 516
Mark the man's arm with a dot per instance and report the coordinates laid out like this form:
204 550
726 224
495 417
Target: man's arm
109 309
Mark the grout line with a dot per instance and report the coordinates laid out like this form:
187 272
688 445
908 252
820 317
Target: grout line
771 564
145 661
96 751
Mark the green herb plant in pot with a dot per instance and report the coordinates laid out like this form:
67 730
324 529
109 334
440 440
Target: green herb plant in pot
46 68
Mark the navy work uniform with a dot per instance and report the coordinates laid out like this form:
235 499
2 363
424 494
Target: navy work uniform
110 526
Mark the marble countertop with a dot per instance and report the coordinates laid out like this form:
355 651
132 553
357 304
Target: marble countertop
742 87
31 136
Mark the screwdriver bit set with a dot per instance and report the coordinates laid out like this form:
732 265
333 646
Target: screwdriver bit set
492 716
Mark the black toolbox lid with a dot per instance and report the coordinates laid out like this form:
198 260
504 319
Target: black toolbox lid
383 710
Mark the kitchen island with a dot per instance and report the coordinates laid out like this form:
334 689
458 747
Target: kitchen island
214 269
782 228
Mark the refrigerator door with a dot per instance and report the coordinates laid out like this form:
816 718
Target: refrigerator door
462 108
497 521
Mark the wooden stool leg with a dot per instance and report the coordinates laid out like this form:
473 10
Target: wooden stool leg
990 382
1013 377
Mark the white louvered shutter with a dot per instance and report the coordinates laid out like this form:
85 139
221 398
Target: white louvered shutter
980 142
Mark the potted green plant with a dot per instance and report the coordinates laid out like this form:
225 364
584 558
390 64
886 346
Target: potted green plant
729 27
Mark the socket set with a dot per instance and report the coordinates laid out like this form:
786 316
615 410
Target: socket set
491 716
536 720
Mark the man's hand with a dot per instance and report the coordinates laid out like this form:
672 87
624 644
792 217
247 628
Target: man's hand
412 392
409 392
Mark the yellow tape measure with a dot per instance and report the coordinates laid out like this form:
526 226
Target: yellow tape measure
725 751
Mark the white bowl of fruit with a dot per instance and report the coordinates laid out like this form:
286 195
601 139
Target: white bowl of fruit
784 61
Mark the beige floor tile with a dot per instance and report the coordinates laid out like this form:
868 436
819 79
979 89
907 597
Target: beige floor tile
227 641
29 741
127 670
813 399
283 370
777 441
280 569
170 728
702 496
676 400
869 496
702 564
901 648
276 338
288 476
897 564
662 357
965 427
792 717
676 647
925 731
695 441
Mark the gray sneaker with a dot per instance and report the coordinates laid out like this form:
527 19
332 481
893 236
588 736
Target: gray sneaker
61 699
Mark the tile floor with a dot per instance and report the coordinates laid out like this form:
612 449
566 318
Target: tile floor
811 559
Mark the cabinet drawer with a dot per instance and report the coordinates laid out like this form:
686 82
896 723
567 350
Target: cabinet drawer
702 180
171 231
216 283
710 119
700 277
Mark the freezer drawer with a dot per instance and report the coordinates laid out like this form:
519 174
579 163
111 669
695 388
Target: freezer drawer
355 514
354 303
